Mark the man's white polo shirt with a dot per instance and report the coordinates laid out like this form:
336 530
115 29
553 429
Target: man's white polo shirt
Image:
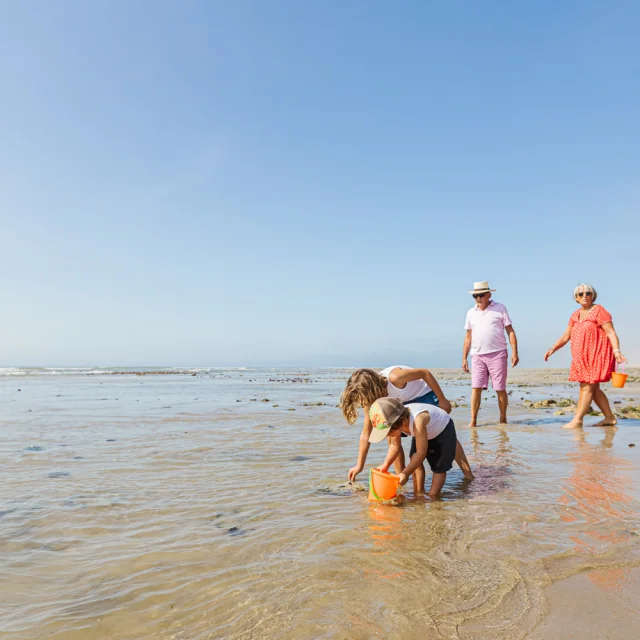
487 328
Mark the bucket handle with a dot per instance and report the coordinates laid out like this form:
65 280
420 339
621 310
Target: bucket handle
620 365
373 491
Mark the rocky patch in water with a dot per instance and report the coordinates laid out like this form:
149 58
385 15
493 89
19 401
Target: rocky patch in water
342 489
630 412
549 403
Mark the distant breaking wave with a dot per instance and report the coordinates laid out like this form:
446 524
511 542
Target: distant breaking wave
102 371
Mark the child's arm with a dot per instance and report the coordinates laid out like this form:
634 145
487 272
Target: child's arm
399 377
363 448
422 444
392 452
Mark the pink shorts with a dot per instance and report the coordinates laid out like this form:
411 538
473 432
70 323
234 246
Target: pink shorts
489 365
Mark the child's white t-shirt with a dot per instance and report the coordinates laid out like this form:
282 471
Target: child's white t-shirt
413 388
439 418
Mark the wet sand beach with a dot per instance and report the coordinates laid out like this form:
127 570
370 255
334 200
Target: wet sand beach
216 505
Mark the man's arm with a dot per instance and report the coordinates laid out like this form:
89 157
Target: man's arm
399 377
392 452
422 444
466 347
514 345
363 448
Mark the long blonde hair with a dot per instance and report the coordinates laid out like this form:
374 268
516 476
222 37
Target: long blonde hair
363 388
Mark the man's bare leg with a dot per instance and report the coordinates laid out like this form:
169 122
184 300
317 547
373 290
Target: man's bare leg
437 482
503 402
462 462
600 398
476 398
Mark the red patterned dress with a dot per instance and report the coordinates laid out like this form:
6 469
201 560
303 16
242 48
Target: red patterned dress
592 353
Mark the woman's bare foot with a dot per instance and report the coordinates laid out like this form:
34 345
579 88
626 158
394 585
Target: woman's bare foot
472 424
609 421
574 424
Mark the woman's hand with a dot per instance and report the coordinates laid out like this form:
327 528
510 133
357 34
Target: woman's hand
403 478
549 354
617 354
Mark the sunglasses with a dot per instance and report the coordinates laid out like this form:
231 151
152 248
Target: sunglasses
479 295
584 293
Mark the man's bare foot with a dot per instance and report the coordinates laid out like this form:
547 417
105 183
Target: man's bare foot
503 421
609 421
469 476
574 424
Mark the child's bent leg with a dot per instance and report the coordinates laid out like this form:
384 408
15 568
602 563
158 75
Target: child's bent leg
418 480
399 463
463 463
437 482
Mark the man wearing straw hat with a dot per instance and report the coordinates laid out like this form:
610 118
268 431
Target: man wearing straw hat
486 324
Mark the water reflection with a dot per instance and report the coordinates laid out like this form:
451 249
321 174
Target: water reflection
500 439
598 494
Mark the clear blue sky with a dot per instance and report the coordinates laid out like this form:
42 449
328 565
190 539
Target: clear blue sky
285 182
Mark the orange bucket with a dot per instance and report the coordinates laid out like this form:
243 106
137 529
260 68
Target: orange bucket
618 379
382 486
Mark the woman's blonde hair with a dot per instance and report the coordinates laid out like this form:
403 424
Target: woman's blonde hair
583 286
363 388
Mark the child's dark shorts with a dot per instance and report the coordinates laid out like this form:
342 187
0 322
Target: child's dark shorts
441 451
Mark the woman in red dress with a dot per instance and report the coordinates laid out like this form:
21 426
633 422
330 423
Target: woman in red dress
594 350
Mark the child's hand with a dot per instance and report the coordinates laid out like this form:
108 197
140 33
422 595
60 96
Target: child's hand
353 472
383 467
445 405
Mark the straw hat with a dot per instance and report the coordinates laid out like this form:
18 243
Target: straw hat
481 287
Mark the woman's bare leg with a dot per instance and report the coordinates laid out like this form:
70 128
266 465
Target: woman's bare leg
584 404
600 398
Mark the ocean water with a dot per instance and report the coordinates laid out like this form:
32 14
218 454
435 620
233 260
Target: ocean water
213 503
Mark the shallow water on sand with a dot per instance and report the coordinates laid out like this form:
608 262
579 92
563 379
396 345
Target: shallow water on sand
216 506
